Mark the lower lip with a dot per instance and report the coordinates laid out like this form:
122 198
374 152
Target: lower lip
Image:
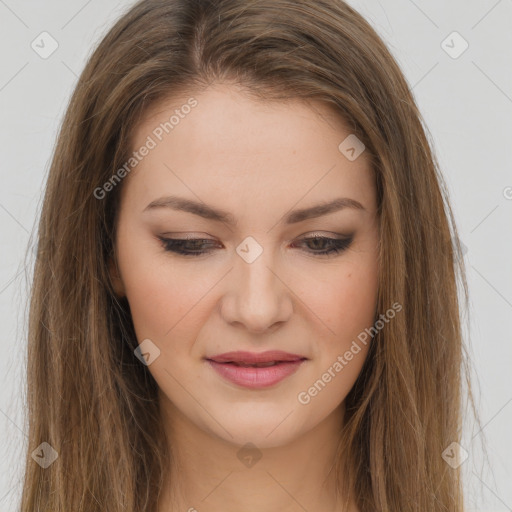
256 378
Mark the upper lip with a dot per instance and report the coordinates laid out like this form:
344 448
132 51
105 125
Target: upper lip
255 357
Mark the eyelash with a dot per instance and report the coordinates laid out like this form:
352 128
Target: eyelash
337 245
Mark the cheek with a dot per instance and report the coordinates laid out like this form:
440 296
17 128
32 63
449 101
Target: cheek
347 308
355 303
163 299
347 305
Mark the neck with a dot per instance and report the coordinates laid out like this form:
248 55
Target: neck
211 474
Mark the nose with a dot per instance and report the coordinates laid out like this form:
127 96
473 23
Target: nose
258 298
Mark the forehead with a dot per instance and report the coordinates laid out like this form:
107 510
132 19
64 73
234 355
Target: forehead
231 144
222 109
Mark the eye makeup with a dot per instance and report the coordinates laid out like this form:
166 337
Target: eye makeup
317 245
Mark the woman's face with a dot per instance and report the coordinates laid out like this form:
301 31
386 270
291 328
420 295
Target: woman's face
246 179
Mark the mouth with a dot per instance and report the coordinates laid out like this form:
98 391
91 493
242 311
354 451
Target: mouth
256 370
256 359
253 365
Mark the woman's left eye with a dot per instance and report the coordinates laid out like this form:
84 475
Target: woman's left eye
333 245
320 245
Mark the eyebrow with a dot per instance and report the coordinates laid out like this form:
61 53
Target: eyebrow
208 212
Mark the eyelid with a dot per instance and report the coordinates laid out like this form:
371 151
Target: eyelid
337 245
329 234
185 236
312 234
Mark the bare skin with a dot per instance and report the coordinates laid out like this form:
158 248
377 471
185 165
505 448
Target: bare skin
258 162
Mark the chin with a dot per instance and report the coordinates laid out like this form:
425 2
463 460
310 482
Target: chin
253 425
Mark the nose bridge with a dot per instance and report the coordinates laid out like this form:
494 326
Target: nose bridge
257 278
259 298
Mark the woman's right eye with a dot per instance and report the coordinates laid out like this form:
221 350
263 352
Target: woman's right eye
187 247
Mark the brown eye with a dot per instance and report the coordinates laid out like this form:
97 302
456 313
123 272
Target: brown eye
187 247
322 245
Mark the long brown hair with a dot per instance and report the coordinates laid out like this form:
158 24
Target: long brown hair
88 395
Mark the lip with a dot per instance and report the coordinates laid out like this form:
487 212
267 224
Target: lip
241 356
228 366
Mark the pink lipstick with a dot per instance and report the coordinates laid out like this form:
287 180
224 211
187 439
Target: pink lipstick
256 370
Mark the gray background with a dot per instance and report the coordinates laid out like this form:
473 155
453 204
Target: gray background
466 103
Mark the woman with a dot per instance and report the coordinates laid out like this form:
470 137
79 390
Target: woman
245 293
